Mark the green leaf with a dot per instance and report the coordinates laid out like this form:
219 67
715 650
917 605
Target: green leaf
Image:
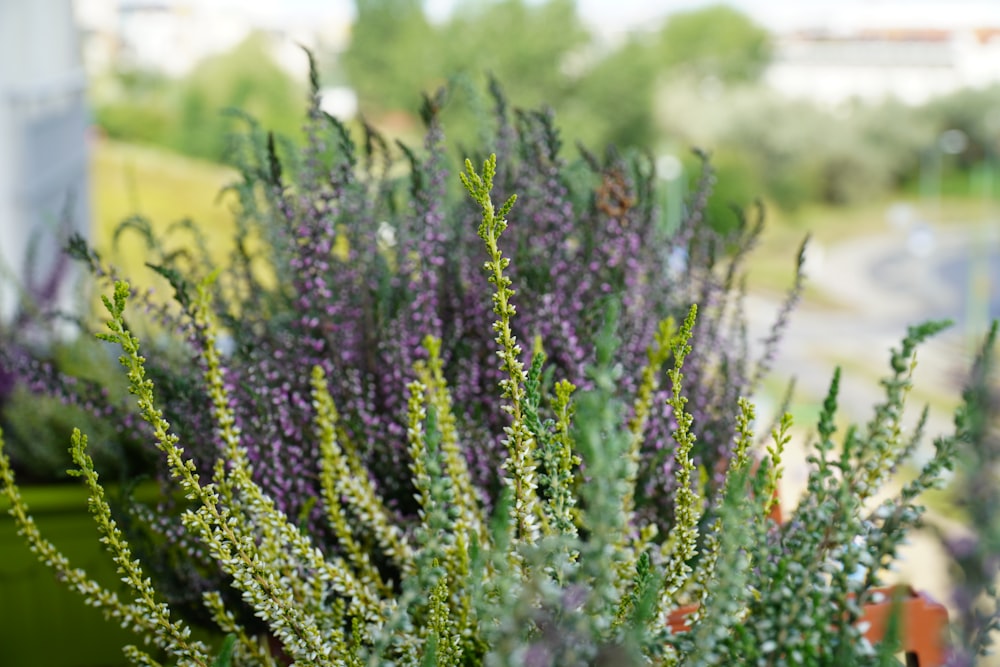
225 657
180 284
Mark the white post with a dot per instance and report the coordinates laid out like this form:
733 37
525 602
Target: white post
43 151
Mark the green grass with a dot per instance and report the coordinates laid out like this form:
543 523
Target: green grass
162 187
771 266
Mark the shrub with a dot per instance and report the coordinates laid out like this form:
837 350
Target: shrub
560 570
346 262
51 381
796 152
975 549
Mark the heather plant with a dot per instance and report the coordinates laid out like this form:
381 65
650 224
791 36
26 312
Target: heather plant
50 380
345 261
975 549
559 569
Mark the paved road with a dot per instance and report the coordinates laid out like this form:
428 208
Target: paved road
881 286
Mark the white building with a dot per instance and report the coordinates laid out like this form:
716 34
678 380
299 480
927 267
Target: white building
43 148
173 36
911 65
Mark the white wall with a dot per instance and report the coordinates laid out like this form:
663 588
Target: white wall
43 152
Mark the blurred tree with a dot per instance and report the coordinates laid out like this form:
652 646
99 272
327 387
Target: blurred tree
694 81
897 132
738 186
791 151
541 53
186 115
614 100
133 106
976 112
717 41
246 78
526 45
144 121
806 154
394 53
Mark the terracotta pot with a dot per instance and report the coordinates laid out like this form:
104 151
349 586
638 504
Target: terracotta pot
923 623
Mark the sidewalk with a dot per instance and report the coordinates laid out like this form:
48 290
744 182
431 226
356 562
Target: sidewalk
881 288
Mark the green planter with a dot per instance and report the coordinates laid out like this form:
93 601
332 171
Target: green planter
41 621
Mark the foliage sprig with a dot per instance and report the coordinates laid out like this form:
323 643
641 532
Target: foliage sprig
565 565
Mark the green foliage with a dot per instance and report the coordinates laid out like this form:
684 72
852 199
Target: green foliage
717 41
39 426
973 111
189 115
793 151
246 78
392 48
547 35
136 120
544 48
559 571
134 106
974 549
225 657
624 80
694 80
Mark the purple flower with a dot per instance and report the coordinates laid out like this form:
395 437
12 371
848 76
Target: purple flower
358 266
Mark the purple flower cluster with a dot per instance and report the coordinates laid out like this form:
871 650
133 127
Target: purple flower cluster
359 264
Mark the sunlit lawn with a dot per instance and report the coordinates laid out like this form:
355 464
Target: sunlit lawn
162 187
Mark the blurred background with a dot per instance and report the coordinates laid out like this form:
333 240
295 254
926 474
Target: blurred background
872 125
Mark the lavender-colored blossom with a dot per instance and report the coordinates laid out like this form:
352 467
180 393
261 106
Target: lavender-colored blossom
359 265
